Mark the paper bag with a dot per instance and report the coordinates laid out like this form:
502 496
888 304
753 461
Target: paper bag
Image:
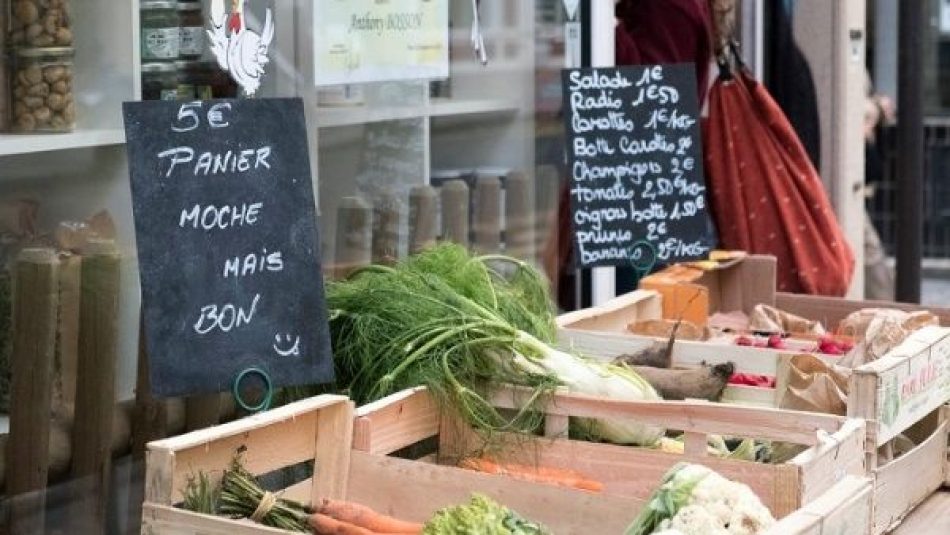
74 236
814 386
879 330
767 318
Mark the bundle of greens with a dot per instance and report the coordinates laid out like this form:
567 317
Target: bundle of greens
481 516
461 325
240 495
694 500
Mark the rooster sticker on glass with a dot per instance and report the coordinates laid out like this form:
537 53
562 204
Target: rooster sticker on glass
241 51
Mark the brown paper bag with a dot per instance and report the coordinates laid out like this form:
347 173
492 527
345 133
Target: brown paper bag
812 385
73 236
735 321
878 330
767 318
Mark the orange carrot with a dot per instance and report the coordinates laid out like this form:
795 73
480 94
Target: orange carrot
326 525
363 516
547 475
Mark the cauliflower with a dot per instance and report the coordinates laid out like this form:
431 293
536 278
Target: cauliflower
733 505
694 500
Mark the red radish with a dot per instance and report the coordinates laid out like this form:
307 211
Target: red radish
776 342
745 341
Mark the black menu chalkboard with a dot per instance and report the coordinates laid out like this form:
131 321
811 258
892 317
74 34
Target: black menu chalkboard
227 244
636 166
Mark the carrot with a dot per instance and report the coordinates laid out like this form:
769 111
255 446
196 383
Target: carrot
363 516
327 525
547 475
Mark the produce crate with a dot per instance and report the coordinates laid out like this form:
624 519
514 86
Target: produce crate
698 289
832 310
843 510
413 416
602 332
916 374
320 431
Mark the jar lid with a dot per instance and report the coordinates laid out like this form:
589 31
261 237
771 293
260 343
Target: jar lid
189 6
196 64
183 64
44 51
157 5
152 68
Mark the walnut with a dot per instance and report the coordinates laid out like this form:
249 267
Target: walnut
39 90
54 74
26 12
42 115
56 102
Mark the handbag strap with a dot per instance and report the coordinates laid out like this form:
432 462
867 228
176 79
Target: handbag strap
724 23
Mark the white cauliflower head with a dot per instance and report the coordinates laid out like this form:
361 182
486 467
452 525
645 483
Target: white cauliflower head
694 500
733 506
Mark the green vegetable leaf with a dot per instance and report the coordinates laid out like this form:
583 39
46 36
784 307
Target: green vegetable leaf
481 516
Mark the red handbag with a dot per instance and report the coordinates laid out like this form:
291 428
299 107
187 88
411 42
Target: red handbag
766 195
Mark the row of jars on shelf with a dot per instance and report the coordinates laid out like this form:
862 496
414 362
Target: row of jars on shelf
171 31
173 43
36 88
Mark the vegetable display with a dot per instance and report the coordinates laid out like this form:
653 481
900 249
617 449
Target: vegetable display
481 516
461 325
241 496
694 500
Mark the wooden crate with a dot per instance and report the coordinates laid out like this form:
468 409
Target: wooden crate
831 310
843 510
920 372
601 332
322 429
412 416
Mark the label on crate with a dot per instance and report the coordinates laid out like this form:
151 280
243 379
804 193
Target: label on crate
635 165
225 223
912 390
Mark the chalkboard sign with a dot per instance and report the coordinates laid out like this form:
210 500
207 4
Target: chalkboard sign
636 167
227 242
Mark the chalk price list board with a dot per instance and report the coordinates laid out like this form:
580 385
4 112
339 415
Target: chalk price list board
227 241
635 162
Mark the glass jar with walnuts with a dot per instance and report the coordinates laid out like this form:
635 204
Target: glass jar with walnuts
40 23
42 90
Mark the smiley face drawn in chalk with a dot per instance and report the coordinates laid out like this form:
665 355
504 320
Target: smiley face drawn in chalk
282 343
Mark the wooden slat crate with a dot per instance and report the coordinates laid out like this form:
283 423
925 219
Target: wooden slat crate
602 332
919 372
843 510
322 429
412 416
832 310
